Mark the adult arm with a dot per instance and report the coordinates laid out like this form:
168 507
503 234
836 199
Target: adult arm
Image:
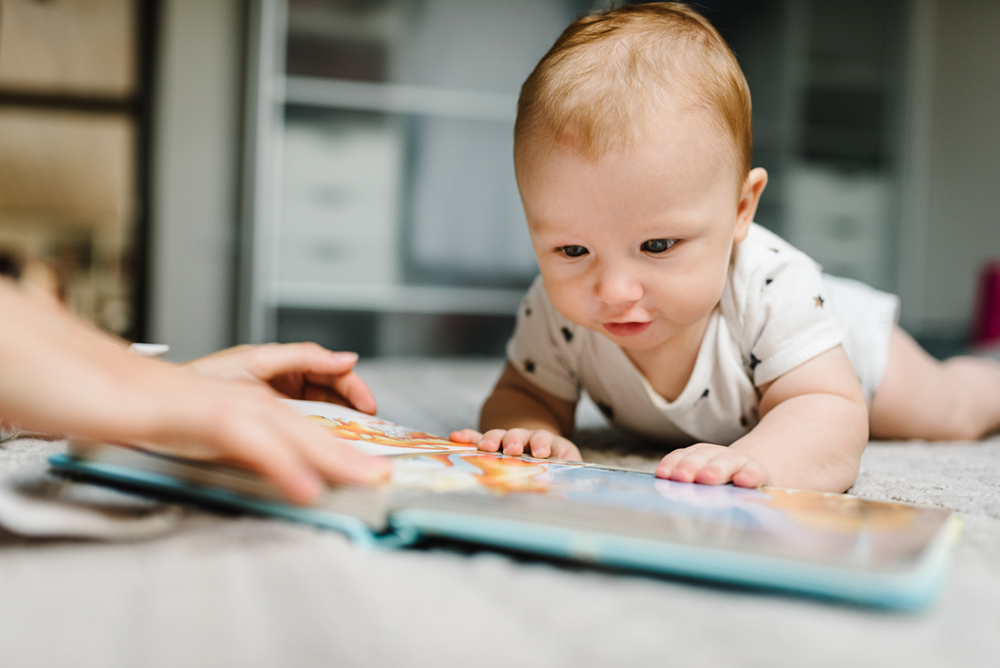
59 375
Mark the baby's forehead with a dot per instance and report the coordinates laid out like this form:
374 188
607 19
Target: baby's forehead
695 124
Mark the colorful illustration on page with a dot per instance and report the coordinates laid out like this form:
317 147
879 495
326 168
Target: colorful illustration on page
497 474
379 432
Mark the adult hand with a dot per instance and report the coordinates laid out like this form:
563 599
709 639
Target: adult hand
295 370
187 414
62 376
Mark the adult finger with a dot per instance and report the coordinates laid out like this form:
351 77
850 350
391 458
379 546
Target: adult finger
339 462
275 359
349 386
327 395
320 451
252 442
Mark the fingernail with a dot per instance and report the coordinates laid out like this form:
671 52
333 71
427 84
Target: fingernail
345 357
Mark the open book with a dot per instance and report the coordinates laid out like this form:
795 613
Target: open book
885 554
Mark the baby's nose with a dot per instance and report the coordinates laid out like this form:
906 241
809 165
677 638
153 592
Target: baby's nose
617 286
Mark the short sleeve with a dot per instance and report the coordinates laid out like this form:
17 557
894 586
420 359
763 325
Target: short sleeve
539 347
777 300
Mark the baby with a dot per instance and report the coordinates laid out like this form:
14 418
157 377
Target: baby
685 321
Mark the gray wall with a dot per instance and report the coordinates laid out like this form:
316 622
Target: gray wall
195 175
963 220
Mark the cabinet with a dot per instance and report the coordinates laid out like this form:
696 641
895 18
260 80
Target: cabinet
382 212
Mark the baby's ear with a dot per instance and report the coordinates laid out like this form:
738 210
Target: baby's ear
753 186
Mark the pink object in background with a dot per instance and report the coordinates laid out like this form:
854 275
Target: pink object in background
987 326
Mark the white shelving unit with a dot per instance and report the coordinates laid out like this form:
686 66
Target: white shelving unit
399 99
350 203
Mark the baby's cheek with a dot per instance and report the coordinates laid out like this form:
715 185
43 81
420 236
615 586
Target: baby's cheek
572 302
691 298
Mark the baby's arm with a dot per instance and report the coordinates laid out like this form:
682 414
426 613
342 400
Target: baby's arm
519 417
813 429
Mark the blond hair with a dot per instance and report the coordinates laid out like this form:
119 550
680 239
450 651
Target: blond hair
607 72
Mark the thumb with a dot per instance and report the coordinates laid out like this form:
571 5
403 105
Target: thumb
306 358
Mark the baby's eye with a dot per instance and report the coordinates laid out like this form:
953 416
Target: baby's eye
573 251
657 245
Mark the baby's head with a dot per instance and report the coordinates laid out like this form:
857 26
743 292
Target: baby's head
633 148
606 78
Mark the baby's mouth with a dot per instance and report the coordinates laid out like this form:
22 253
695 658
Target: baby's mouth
626 328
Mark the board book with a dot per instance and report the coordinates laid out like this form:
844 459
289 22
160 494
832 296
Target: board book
891 555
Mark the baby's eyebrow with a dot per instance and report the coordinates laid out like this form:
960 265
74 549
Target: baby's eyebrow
673 226
545 228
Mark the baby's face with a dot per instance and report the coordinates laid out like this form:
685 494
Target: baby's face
636 245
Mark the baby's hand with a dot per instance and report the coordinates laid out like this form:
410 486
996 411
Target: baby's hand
713 465
538 443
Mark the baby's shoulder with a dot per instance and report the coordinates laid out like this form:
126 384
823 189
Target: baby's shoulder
763 254
765 264
768 276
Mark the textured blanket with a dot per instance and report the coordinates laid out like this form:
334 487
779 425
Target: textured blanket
193 588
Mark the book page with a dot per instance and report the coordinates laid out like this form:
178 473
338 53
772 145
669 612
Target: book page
372 435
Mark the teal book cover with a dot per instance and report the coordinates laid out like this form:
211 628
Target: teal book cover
836 546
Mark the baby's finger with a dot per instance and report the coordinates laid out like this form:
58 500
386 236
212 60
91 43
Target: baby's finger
540 444
563 448
720 469
515 441
694 461
492 440
670 461
752 474
470 436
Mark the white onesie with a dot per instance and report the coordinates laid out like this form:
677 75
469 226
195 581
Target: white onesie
777 311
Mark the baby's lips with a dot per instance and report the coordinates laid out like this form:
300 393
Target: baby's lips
626 328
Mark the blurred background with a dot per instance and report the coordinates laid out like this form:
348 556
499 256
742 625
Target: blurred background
201 173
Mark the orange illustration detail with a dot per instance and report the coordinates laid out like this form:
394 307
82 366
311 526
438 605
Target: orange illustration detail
835 512
384 433
506 474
